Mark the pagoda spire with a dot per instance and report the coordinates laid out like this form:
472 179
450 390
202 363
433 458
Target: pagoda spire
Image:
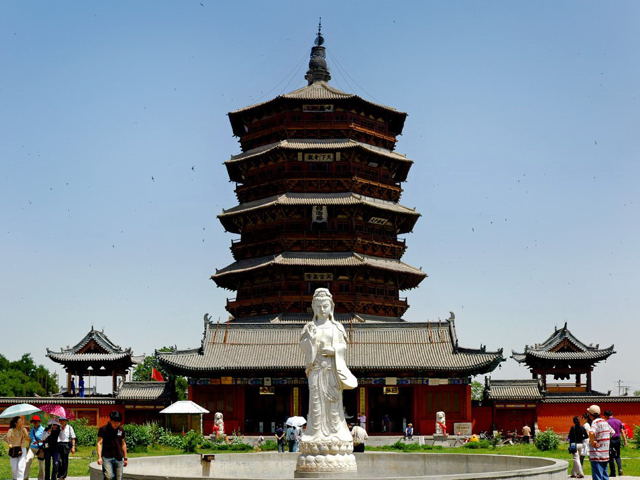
318 70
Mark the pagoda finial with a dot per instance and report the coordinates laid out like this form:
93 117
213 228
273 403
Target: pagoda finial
318 70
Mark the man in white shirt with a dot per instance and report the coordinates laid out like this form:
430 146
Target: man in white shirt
66 445
359 435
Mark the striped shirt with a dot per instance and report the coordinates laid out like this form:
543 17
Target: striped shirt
602 431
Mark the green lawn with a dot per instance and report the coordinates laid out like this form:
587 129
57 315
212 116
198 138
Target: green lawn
630 455
79 463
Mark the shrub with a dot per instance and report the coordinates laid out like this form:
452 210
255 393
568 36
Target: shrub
269 445
171 440
138 437
3 449
155 432
86 435
480 444
547 440
191 441
495 440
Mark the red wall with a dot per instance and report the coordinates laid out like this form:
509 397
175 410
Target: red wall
558 416
482 419
454 400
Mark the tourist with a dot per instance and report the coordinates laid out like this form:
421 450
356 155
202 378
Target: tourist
112 448
526 434
51 452
359 435
36 447
66 445
362 418
614 447
280 438
408 432
599 439
292 438
577 436
18 440
386 423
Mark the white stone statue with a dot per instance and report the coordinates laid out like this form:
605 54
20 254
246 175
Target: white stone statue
441 424
218 425
327 444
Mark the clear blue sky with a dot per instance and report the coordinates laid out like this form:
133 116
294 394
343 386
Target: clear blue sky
523 124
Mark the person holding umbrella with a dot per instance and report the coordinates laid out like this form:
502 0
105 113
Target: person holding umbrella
51 452
18 440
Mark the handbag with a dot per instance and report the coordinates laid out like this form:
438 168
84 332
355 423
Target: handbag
40 453
15 452
573 448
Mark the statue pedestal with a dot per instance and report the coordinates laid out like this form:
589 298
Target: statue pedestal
326 459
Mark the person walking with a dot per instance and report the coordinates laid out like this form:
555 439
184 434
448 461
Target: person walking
292 438
526 434
18 440
36 447
360 436
599 439
112 448
280 438
66 445
51 452
577 436
619 436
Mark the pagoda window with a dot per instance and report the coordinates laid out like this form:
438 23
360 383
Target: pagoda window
343 287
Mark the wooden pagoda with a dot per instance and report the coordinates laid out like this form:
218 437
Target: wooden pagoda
561 356
318 183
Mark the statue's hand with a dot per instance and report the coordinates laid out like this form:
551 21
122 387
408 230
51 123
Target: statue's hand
328 351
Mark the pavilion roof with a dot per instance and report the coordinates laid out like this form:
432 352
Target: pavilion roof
563 346
94 350
513 390
296 317
430 347
320 259
317 144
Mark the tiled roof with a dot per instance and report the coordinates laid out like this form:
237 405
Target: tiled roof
317 144
588 355
151 390
562 345
302 318
88 357
430 347
590 399
501 390
316 91
98 337
319 259
342 198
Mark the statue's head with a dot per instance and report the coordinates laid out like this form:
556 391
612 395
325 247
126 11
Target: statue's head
322 304
217 417
440 416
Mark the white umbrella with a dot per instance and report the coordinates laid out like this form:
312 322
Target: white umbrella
296 421
186 407
19 410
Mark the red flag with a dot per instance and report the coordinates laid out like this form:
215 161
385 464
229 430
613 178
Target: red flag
156 375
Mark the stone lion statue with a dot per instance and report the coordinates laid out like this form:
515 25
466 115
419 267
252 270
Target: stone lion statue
218 425
441 424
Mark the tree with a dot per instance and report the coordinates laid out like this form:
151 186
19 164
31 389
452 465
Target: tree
636 393
477 390
23 378
143 370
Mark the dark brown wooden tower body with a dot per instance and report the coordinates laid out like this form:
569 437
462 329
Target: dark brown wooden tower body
318 185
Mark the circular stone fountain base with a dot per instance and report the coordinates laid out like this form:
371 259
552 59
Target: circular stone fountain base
371 466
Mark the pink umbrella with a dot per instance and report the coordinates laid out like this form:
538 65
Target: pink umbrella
57 410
